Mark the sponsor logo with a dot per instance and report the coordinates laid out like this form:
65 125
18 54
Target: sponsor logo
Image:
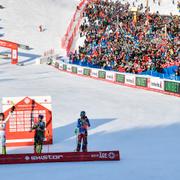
43 157
69 68
103 155
95 74
27 100
61 66
8 102
156 84
130 81
27 158
94 155
80 71
56 65
110 155
109 76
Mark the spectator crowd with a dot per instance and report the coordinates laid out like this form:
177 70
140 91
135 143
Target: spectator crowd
119 37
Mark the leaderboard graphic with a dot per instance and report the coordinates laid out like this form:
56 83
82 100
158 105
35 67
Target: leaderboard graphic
19 127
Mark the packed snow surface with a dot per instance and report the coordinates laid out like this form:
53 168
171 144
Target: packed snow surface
144 126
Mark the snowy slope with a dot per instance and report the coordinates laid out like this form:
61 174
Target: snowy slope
144 126
20 20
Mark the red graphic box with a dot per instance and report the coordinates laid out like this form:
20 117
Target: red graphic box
19 127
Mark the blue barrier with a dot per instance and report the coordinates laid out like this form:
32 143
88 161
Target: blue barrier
168 73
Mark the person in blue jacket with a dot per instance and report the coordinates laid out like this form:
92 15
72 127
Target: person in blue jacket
82 132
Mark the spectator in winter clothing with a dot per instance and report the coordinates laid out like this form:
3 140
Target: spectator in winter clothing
114 40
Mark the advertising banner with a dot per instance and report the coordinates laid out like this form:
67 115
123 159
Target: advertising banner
14 50
102 74
64 67
120 78
14 55
69 68
94 73
171 86
156 83
60 157
141 81
110 76
130 79
74 69
61 66
80 70
56 65
27 109
87 72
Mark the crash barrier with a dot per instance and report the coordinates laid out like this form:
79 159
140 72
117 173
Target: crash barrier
67 40
155 84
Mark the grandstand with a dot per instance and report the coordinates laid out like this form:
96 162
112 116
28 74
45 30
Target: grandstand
123 37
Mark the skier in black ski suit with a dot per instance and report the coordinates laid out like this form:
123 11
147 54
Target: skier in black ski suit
39 134
82 131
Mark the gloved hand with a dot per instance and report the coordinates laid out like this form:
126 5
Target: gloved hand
76 131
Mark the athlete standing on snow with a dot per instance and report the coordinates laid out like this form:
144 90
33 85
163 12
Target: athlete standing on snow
82 131
39 134
3 122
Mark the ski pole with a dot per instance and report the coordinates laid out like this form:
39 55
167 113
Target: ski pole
48 138
76 133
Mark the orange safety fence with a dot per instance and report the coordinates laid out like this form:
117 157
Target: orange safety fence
70 41
64 39
66 42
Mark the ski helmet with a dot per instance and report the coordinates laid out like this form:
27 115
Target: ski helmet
40 116
83 113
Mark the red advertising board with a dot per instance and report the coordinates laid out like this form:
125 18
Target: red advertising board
60 157
14 50
19 127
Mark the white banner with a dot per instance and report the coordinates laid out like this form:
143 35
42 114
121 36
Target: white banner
130 79
80 70
54 62
94 73
61 66
14 54
156 83
69 68
110 75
